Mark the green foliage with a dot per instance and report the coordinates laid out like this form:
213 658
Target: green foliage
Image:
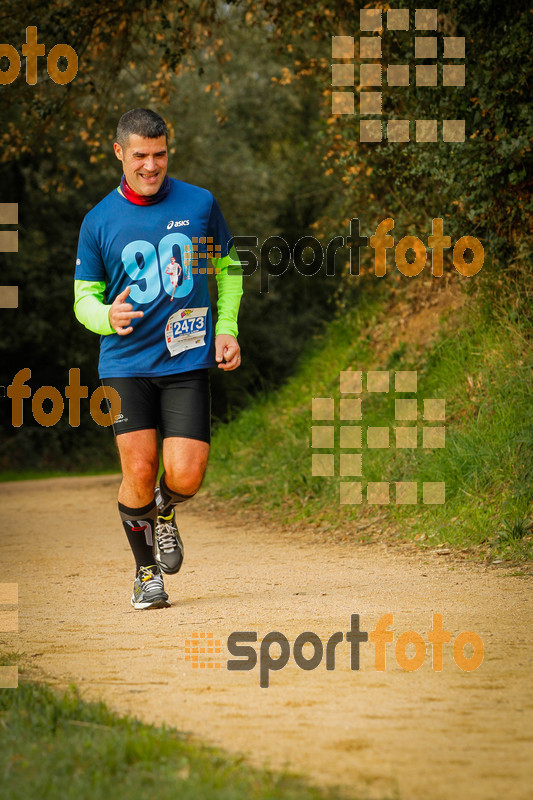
55 746
480 187
235 131
480 366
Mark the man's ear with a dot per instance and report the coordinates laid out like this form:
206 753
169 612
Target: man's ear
118 151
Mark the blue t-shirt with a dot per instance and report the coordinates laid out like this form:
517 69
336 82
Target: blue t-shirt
161 251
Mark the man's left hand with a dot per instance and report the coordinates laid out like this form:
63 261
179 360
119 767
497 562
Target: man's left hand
227 352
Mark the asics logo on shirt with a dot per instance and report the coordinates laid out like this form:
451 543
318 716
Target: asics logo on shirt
177 223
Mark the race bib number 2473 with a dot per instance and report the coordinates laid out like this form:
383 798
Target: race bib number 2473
186 330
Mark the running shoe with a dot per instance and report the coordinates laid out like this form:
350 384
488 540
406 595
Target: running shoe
148 589
168 547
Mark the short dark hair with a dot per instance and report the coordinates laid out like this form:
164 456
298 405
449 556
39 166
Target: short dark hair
143 122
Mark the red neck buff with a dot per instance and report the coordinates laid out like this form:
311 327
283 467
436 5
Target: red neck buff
141 199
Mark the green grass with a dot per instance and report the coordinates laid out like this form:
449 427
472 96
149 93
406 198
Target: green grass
57 746
41 474
480 364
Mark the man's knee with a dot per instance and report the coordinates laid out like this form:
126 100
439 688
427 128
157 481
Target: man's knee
141 471
185 481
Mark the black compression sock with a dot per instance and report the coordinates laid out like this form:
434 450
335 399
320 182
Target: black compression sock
139 524
170 498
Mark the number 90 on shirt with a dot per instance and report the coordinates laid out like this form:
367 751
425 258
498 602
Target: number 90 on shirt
144 263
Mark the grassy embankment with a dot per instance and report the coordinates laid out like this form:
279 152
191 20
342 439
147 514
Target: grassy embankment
57 746
478 359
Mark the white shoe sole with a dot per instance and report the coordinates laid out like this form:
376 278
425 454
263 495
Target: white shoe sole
150 604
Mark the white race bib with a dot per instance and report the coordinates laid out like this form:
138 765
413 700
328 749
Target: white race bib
186 330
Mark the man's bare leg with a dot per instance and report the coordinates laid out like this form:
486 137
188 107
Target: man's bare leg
140 462
138 511
184 461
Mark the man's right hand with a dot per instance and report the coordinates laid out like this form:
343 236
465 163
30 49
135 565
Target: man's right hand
121 313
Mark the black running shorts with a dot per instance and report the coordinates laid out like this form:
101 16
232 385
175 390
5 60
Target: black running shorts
179 405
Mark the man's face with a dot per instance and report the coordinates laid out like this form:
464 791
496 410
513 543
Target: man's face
144 162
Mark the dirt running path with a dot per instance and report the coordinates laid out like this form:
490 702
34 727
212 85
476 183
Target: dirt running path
422 735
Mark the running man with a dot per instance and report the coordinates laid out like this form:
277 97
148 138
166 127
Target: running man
174 270
154 353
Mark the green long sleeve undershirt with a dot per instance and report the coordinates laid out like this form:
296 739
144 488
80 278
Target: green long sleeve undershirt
91 310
